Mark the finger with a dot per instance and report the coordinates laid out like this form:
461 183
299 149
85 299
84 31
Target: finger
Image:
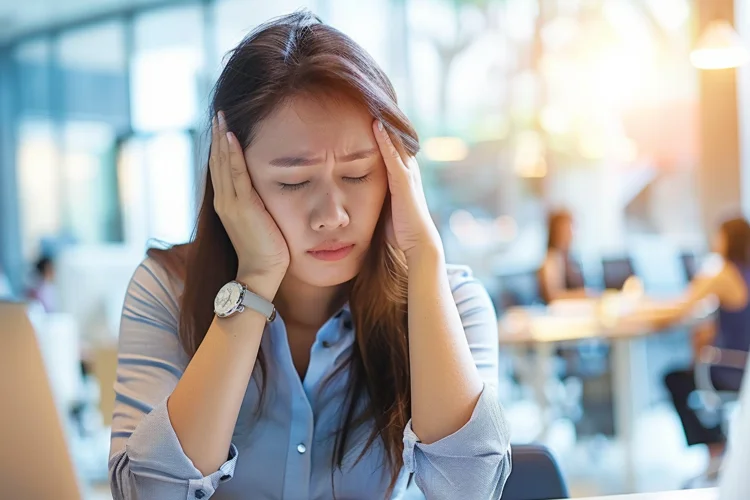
413 167
213 158
409 162
399 145
391 156
226 174
240 176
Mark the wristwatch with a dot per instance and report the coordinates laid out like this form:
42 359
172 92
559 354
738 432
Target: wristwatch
234 297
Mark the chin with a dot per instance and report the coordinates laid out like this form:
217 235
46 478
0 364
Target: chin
325 274
326 278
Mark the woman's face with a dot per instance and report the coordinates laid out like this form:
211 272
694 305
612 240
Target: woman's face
318 170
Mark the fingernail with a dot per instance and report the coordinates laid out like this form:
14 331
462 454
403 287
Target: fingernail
221 118
380 125
229 136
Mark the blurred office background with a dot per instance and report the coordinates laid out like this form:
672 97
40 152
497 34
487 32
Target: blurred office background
522 106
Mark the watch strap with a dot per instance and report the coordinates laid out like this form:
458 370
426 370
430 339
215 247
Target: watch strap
257 303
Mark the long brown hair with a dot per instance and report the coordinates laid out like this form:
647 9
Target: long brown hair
287 57
737 234
555 220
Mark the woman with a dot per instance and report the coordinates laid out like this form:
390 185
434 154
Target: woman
43 290
356 359
725 275
560 276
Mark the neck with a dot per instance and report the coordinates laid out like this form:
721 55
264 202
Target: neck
307 306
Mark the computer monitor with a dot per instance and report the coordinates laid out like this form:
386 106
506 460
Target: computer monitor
34 457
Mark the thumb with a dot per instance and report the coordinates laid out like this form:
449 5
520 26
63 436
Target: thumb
390 233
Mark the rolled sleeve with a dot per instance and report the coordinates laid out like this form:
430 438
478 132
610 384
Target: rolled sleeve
157 467
473 462
146 458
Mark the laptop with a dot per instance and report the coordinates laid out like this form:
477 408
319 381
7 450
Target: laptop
35 462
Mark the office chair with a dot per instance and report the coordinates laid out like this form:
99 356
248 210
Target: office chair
713 402
711 405
535 475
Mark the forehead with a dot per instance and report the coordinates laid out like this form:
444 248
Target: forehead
313 124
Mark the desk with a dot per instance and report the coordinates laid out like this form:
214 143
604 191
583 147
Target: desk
607 319
702 494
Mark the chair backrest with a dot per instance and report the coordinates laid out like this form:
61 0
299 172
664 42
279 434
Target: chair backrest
535 475
710 401
616 272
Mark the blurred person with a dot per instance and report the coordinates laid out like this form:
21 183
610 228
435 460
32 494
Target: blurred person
314 208
725 275
560 276
43 289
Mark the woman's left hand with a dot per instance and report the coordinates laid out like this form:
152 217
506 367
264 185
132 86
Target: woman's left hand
410 227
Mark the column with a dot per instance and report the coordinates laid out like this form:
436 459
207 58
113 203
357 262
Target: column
719 167
10 235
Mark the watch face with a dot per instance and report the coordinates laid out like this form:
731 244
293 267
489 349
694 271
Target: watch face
228 298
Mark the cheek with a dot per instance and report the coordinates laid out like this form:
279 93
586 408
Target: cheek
369 200
284 210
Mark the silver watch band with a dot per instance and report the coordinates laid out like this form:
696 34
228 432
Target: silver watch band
258 303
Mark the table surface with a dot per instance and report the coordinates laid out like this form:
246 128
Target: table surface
579 319
700 494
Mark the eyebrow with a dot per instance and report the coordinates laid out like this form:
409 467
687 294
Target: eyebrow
302 161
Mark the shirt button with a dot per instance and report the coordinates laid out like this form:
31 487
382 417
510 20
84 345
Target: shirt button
301 448
199 494
326 344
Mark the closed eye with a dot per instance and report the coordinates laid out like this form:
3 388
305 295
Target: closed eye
293 187
357 180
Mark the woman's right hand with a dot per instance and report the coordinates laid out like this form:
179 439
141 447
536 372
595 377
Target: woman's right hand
262 252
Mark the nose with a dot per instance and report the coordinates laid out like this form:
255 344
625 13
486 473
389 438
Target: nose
329 212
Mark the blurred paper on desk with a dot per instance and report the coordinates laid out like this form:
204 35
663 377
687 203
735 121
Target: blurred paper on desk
735 480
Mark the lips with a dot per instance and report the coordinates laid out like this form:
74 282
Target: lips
331 251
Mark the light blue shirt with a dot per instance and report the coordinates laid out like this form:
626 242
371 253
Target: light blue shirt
286 452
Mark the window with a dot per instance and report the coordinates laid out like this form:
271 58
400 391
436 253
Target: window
91 113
